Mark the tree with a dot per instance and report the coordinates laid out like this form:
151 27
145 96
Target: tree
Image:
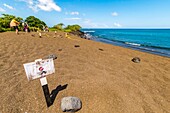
59 26
35 22
73 27
6 19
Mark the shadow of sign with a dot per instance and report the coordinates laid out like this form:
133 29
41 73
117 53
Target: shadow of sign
50 98
55 92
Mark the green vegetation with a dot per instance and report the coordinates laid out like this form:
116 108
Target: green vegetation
1 29
34 24
59 26
53 29
5 22
69 28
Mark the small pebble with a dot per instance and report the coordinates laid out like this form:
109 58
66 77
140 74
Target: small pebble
59 49
51 56
101 49
76 46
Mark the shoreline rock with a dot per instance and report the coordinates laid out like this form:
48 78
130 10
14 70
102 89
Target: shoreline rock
79 33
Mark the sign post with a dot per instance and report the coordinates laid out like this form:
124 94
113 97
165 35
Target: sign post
45 88
39 69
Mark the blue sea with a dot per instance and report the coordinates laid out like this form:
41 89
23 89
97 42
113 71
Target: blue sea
155 41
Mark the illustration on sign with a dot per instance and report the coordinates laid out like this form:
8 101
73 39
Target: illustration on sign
39 68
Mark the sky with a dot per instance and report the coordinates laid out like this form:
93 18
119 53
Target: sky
93 13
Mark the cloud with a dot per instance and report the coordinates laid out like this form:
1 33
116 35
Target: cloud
74 13
76 18
87 23
117 25
97 25
8 6
45 5
2 10
48 5
114 14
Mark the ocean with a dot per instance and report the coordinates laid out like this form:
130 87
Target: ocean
155 41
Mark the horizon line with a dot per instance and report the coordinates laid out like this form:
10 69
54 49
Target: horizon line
130 28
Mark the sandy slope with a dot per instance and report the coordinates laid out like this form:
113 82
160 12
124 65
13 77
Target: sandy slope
106 81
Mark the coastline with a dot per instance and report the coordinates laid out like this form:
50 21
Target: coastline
153 39
136 47
105 81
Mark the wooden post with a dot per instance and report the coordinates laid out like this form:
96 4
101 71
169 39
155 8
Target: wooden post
45 88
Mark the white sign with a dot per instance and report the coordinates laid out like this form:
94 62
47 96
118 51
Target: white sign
39 68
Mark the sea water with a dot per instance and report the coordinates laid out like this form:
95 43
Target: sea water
155 41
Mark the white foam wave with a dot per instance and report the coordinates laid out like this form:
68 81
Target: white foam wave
89 31
134 44
88 36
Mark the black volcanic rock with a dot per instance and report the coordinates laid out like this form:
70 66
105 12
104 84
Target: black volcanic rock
79 33
136 59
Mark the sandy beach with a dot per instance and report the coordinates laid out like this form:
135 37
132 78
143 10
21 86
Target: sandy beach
101 75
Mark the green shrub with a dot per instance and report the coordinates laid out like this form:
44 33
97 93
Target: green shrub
8 29
2 29
34 29
53 29
67 30
73 28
